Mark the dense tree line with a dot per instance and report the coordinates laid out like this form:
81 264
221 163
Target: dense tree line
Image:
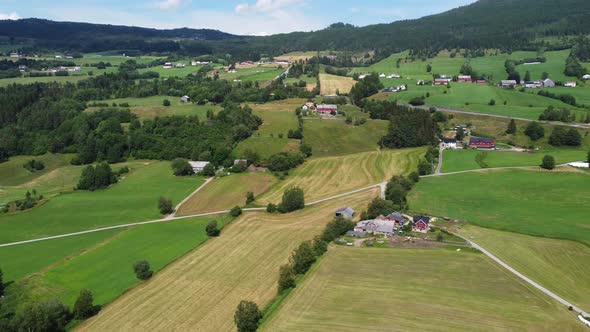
365 87
552 114
566 98
561 136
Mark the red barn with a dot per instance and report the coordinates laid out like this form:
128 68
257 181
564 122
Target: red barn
464 79
442 81
482 143
421 223
326 109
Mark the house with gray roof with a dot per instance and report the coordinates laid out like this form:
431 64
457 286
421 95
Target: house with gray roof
345 212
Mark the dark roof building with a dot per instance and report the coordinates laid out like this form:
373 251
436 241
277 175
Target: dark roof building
482 142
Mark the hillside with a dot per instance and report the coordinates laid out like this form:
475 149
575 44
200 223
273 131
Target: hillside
504 24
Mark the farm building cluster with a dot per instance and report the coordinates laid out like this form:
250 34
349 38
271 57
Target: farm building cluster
321 109
385 225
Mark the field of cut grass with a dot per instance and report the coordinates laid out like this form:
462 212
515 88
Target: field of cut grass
29 80
226 192
266 146
278 116
295 56
258 73
382 289
332 84
541 203
461 160
172 72
324 177
204 287
114 60
13 173
558 265
581 92
151 107
333 137
133 199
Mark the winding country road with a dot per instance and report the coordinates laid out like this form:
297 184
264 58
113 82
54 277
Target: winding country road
454 110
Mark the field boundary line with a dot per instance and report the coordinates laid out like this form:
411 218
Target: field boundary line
179 205
522 276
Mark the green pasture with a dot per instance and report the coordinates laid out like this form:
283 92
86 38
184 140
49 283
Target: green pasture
542 203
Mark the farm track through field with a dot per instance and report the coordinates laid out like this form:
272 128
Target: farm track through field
317 201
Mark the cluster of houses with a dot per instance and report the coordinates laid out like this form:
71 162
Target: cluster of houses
446 80
395 88
63 69
170 65
474 143
390 76
199 166
546 83
384 225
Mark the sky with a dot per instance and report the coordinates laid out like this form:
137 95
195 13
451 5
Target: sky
243 17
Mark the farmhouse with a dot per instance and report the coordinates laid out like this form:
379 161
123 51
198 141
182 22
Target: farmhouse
180 65
481 82
508 83
185 99
448 143
482 143
385 227
586 77
533 84
198 166
327 109
345 212
69 56
15 55
397 218
310 104
167 65
74 69
395 88
464 79
382 75
548 83
22 67
421 223
241 162
420 82
57 69
571 84
442 81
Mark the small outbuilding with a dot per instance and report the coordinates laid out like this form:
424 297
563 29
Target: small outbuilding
185 99
198 166
345 212
449 143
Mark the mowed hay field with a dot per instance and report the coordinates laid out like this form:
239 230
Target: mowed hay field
384 289
201 290
559 265
278 116
541 203
226 192
329 137
324 177
332 84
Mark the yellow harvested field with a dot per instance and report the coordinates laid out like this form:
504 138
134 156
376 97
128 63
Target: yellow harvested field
324 177
226 192
385 289
332 84
296 56
201 290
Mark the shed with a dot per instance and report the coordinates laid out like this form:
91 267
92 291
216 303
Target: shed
198 166
345 212
185 99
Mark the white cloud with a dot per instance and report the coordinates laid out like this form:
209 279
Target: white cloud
168 4
267 6
9 16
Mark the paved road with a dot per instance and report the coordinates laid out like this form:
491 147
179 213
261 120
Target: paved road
523 277
454 110
440 159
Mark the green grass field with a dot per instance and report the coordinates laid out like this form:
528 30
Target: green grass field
581 92
29 80
461 160
159 244
554 66
172 72
151 107
540 203
266 146
20 261
257 73
383 289
475 97
133 199
558 265
278 116
329 137
12 172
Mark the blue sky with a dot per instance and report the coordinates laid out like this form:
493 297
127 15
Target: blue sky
255 17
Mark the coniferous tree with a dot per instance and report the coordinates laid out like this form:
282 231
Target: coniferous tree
511 130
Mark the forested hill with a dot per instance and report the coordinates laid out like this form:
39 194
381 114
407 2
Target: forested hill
508 24
503 24
83 37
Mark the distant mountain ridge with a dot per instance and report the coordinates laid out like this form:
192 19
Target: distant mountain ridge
502 24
